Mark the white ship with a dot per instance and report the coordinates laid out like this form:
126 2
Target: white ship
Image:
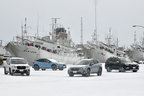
137 49
58 46
102 51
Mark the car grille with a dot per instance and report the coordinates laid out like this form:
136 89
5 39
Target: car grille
74 69
21 67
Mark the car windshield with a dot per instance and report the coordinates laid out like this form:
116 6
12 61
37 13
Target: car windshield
125 60
18 61
82 62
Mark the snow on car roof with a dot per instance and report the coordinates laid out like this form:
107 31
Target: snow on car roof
53 60
16 58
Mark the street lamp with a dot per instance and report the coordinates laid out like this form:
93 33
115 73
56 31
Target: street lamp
142 42
138 26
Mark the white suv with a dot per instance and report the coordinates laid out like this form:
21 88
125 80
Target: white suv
16 65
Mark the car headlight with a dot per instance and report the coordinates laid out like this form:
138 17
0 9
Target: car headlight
27 67
14 66
82 68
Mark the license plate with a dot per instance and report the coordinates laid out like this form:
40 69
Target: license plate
134 67
20 70
74 71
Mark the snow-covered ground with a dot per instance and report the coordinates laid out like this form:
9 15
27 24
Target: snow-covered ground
58 83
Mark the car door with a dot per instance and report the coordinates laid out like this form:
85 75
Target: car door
95 66
42 63
91 66
48 63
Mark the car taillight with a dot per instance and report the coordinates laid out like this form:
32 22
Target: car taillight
32 62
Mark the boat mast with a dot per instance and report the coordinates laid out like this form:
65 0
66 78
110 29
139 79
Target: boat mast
0 42
37 27
81 31
22 33
135 38
95 29
25 27
54 26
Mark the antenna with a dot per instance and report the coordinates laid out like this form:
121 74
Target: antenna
81 30
54 23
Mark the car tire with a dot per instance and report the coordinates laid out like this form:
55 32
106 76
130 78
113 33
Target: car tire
54 67
134 70
11 73
5 71
109 69
28 73
121 69
87 73
36 67
99 72
71 74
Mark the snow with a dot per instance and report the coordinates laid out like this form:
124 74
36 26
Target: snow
58 83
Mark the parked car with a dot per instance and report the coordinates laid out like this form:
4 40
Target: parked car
86 67
16 65
121 64
44 63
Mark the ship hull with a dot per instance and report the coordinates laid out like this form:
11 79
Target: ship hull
31 53
137 55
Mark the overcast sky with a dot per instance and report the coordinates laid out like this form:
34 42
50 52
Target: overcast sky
120 15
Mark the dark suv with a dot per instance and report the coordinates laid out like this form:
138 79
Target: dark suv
121 64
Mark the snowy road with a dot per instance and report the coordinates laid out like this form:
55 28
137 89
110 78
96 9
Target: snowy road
58 83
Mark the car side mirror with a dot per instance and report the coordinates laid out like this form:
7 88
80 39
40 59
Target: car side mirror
8 63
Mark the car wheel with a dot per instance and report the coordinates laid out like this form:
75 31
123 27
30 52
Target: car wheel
11 73
134 70
5 71
88 73
36 68
109 69
99 72
71 74
28 73
121 69
54 67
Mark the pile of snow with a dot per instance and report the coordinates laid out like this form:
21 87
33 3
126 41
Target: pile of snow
58 83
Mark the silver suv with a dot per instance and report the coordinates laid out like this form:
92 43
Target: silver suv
86 67
16 65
